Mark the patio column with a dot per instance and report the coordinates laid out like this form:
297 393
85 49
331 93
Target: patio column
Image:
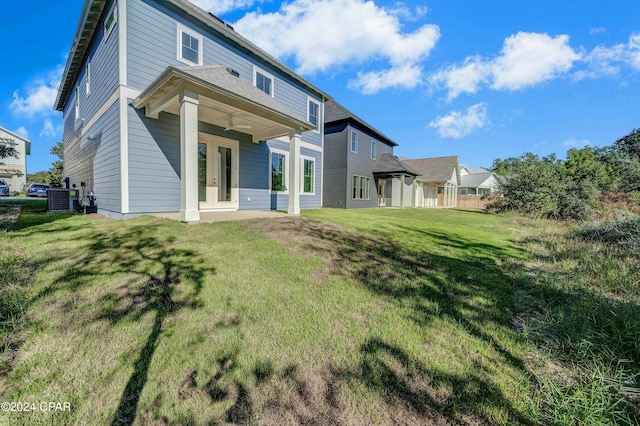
402 191
189 211
294 174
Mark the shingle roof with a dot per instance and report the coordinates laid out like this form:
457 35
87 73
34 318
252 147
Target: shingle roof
475 180
335 113
437 169
388 164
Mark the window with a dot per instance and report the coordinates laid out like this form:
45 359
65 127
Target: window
189 46
313 112
263 81
354 141
77 94
308 176
361 188
110 21
373 149
387 150
278 171
87 77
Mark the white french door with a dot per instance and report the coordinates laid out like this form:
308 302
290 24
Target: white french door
217 172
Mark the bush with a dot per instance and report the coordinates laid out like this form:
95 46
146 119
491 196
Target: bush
624 230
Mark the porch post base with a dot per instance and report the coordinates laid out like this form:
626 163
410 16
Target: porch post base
189 215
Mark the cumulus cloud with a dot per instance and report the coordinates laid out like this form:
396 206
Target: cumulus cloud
321 34
576 143
40 96
22 131
526 59
49 129
222 6
609 60
458 124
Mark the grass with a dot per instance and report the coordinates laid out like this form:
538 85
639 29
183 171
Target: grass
339 317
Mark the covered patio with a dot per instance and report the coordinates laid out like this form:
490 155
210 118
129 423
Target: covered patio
217 95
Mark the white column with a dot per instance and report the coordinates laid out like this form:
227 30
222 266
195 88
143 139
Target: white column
294 174
402 191
189 211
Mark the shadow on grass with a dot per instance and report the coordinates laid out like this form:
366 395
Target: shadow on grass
145 274
434 275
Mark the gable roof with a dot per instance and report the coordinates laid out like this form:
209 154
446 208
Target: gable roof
334 113
27 142
437 169
475 180
389 164
92 11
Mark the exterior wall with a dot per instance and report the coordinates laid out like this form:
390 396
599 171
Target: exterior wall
16 181
341 165
91 140
335 167
94 159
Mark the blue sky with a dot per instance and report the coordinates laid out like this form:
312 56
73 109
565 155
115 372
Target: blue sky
481 80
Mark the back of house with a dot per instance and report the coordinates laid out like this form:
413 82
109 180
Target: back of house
13 169
166 108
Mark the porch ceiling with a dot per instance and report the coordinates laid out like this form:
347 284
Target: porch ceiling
223 98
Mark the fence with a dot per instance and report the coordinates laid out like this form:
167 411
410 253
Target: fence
471 201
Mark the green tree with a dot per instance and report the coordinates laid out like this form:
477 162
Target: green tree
41 176
630 144
586 165
56 172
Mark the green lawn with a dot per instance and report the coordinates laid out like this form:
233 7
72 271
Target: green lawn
338 317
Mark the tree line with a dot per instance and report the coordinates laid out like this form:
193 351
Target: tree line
576 188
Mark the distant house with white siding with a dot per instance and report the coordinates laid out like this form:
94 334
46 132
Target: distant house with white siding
14 170
438 181
477 181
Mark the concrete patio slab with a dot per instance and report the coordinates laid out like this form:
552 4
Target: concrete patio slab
225 216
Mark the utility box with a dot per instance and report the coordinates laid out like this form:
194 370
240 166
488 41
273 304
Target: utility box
62 199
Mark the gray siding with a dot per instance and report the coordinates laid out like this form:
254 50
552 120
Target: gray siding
335 169
152 46
154 162
361 164
97 161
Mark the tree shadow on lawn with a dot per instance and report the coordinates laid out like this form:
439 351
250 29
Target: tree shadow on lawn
155 277
466 287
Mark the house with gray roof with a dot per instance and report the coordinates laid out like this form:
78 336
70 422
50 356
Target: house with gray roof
477 181
167 109
437 182
360 169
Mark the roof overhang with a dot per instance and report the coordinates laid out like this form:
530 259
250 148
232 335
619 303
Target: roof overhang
223 97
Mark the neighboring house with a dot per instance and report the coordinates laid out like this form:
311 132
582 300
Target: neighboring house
437 182
166 108
359 167
14 170
477 181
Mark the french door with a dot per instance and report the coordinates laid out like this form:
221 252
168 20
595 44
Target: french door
217 172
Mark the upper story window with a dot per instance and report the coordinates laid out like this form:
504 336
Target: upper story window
77 105
387 150
313 113
354 141
110 21
87 78
190 46
373 149
263 81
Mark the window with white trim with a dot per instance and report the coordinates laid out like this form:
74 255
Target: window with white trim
77 106
373 149
278 173
360 188
308 175
110 21
87 78
354 141
190 45
313 113
387 150
263 81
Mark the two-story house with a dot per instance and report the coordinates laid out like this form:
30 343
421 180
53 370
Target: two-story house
360 169
167 109
13 170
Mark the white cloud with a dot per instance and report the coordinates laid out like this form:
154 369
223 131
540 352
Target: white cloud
526 60
597 30
608 61
221 6
457 124
576 143
40 96
49 130
321 34
22 131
